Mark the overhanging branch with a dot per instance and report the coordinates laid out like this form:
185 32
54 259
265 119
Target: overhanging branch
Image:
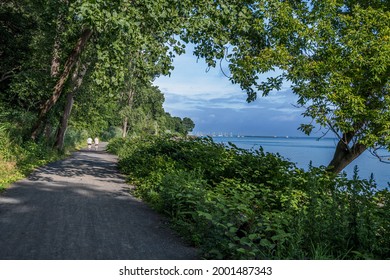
382 158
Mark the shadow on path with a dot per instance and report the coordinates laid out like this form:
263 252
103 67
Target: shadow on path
80 208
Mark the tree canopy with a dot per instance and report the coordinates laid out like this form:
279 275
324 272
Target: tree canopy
334 53
59 55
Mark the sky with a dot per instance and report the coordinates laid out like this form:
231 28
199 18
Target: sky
217 106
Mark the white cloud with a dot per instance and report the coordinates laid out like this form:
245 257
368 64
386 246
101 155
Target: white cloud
285 118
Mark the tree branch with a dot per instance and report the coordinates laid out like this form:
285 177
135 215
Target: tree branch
8 74
383 158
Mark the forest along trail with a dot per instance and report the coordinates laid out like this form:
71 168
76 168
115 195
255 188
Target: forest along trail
80 208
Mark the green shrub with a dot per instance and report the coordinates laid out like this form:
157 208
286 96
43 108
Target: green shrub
111 133
19 159
74 138
238 204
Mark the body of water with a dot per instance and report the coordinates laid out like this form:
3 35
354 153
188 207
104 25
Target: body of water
302 150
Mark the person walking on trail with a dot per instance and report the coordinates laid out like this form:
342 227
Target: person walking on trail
96 143
89 142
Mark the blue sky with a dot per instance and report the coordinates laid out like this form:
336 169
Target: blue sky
216 105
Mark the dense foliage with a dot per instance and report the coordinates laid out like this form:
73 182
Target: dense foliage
334 54
66 68
73 63
239 204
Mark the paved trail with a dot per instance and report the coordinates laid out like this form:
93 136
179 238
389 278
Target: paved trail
80 208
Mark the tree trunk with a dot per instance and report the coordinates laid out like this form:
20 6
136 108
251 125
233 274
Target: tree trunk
48 130
60 137
155 128
77 79
124 128
126 119
344 154
55 61
57 91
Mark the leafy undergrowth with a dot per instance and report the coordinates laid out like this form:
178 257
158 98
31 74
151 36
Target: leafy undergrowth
238 204
19 160
19 157
8 173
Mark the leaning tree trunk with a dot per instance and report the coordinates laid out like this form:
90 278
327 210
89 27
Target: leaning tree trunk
57 91
77 80
344 154
55 63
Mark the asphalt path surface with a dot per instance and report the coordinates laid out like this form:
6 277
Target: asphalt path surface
80 208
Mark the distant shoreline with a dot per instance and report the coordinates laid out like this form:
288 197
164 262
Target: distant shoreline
264 136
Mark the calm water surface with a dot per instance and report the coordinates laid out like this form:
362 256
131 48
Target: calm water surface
302 150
